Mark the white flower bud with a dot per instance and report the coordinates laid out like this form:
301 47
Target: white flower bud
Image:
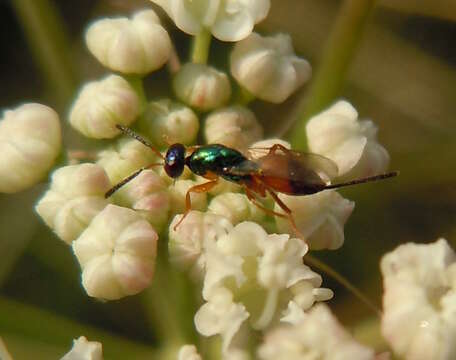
178 191
30 141
188 352
124 158
227 20
201 86
76 195
318 336
103 104
419 301
148 195
338 134
136 46
165 122
236 208
319 217
84 350
233 126
117 253
187 242
268 67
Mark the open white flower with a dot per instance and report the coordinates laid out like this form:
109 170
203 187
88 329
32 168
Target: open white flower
318 336
188 242
188 352
268 67
117 253
319 217
235 126
84 350
255 276
148 195
228 20
220 315
136 46
76 195
166 121
103 104
30 141
419 301
124 158
202 87
338 134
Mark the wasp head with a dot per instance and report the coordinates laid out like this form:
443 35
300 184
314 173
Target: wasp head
175 160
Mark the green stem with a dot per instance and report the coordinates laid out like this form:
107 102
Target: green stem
161 315
37 324
45 32
245 97
338 54
201 46
312 261
137 84
165 305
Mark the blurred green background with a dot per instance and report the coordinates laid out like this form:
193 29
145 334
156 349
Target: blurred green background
400 71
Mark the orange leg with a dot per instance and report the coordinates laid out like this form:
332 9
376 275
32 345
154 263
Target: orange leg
254 199
201 188
273 149
287 214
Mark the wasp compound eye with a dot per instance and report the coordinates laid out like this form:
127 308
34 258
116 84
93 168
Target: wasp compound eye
175 160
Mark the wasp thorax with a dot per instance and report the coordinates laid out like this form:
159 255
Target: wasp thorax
175 160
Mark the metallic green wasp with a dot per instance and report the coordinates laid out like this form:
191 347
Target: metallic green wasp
276 170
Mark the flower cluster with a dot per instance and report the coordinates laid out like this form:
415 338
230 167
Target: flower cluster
419 300
246 256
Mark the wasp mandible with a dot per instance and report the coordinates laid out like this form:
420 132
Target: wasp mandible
274 170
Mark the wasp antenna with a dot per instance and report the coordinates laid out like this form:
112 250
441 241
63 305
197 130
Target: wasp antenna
125 181
134 135
363 180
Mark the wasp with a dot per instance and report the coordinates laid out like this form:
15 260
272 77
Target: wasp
271 171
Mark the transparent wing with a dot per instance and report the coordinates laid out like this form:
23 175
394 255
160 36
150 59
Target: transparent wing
294 165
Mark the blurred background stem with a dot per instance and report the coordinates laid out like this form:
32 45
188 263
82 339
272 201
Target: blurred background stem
337 56
39 325
47 38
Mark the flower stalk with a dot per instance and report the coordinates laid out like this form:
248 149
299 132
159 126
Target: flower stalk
45 33
201 46
339 51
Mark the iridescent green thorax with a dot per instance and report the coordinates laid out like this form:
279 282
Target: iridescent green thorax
215 158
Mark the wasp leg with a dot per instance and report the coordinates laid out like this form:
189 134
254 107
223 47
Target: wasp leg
288 214
254 199
273 149
201 188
